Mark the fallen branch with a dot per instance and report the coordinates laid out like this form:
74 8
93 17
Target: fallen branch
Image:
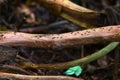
76 14
66 65
28 77
95 35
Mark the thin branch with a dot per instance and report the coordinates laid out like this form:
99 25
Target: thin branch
116 65
95 35
10 68
80 62
28 77
43 28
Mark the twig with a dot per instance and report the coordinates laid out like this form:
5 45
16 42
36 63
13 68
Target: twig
66 65
43 28
9 68
95 35
27 77
116 61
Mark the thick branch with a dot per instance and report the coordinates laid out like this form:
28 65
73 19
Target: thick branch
96 35
79 15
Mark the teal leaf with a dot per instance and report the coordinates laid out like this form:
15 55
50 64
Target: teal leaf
69 72
74 70
78 71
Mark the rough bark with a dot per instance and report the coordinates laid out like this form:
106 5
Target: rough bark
95 35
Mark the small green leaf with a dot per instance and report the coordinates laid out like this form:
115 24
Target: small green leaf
78 71
74 70
70 72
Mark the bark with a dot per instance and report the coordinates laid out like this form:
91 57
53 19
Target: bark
72 12
28 77
95 35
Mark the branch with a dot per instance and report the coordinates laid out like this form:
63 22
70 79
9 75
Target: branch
80 62
95 35
10 68
76 14
27 77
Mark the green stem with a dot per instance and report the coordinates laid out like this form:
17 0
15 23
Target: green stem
80 62
96 55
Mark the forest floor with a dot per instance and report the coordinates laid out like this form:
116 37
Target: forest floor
38 20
